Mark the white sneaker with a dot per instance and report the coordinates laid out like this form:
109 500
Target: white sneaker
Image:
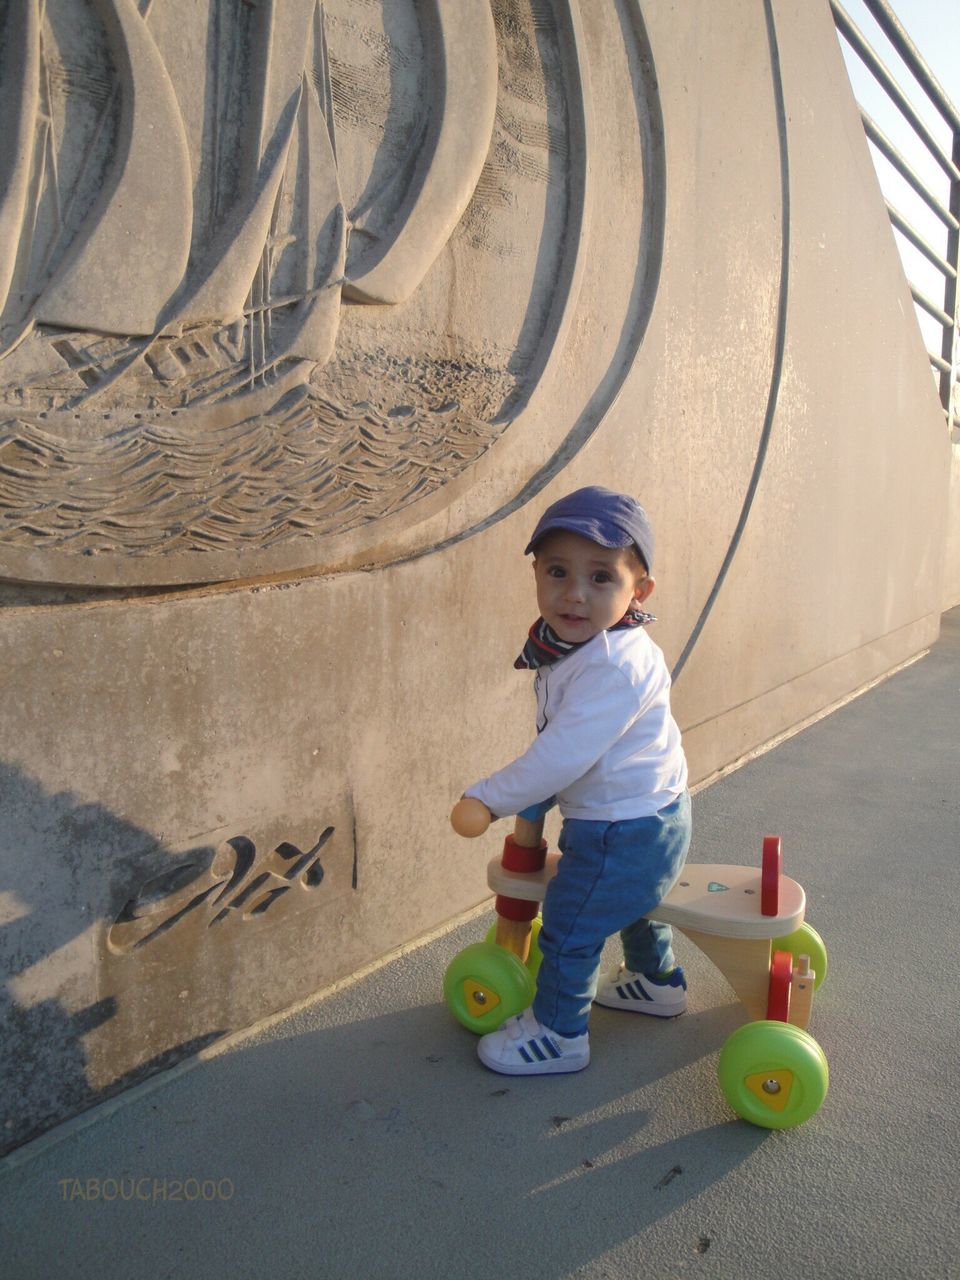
663 996
522 1047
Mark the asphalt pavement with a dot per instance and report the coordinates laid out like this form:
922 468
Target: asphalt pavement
358 1136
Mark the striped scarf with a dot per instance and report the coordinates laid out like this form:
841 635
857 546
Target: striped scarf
544 646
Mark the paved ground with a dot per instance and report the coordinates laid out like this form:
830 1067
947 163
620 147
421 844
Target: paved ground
359 1137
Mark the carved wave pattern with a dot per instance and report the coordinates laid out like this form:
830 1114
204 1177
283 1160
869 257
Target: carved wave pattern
315 465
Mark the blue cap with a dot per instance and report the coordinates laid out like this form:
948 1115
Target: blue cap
607 518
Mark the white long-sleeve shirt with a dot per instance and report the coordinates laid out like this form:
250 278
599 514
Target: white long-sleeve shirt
607 745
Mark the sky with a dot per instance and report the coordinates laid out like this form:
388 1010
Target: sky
934 27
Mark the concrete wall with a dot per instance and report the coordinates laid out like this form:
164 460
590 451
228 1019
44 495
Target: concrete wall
219 798
951 566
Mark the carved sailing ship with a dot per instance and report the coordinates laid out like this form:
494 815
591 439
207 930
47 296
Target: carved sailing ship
167 288
177 247
277 258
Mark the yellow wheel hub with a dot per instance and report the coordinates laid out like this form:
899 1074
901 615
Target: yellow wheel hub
771 1087
478 998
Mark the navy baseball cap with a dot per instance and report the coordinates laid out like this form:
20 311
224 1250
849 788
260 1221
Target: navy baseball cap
607 518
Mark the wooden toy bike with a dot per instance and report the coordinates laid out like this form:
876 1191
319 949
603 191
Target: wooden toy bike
749 923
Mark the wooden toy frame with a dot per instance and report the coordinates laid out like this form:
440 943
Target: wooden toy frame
748 922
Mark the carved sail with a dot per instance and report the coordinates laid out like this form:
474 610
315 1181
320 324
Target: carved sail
132 250
311 252
19 91
465 55
320 246
235 254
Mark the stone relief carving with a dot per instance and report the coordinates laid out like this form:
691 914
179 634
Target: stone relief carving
268 272
217 884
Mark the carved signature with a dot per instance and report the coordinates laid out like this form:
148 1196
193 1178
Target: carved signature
228 877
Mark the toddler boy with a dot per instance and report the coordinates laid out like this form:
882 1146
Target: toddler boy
608 752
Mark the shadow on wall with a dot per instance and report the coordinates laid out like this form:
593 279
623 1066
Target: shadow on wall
63 867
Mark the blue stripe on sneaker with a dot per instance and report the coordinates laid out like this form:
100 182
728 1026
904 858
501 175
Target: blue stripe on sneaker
536 1051
523 1053
550 1047
637 991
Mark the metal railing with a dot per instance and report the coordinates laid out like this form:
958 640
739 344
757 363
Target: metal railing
944 256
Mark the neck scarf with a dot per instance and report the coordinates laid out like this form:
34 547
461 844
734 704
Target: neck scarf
544 646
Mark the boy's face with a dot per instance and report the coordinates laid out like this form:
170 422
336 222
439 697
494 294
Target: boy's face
583 588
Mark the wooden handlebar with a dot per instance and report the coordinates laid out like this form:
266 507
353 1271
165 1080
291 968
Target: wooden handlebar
470 817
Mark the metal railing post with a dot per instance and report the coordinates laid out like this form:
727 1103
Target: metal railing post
948 264
948 351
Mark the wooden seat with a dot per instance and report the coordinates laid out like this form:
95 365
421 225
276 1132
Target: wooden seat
718 908
725 900
708 898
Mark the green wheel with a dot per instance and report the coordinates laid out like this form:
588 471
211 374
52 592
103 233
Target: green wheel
773 1074
535 957
805 941
486 984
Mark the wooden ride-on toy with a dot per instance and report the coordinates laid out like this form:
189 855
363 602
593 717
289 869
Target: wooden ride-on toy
750 923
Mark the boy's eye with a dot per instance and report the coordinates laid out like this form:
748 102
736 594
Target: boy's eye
555 571
602 576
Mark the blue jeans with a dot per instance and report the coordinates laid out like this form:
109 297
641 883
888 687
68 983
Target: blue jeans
611 874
